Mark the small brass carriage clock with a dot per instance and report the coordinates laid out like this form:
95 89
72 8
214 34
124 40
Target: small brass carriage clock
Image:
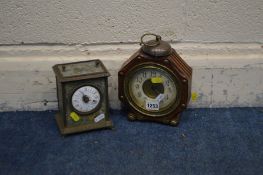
155 83
82 90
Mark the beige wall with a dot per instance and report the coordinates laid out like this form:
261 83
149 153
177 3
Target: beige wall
223 73
107 21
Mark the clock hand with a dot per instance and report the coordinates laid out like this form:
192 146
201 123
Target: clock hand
82 93
156 89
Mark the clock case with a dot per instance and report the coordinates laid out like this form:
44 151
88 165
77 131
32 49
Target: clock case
161 55
66 86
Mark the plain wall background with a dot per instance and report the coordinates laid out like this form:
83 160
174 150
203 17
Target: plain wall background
114 21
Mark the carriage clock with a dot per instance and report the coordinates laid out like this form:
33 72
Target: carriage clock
155 82
82 91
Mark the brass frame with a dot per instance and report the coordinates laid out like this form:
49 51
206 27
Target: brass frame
61 115
81 128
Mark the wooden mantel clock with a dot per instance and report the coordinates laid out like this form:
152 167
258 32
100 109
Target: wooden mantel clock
82 90
155 83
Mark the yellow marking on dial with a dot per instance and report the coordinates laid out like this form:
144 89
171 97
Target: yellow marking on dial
156 80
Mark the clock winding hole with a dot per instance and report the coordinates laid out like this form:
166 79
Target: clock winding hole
85 99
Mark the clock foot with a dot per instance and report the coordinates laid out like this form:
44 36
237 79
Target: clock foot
175 121
131 117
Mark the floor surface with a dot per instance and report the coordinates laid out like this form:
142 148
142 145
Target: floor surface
207 141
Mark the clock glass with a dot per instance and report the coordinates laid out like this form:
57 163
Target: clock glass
152 89
85 99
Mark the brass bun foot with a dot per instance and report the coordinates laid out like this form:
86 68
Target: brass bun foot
131 117
175 121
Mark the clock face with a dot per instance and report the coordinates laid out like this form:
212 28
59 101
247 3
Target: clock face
152 90
85 99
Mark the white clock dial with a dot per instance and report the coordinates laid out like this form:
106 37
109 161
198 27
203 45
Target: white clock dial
152 89
85 99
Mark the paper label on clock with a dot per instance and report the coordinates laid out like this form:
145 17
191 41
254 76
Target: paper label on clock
152 105
99 118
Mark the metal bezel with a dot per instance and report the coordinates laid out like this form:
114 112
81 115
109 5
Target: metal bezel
92 111
168 109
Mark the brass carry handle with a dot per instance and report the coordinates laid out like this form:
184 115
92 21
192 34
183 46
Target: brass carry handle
158 39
